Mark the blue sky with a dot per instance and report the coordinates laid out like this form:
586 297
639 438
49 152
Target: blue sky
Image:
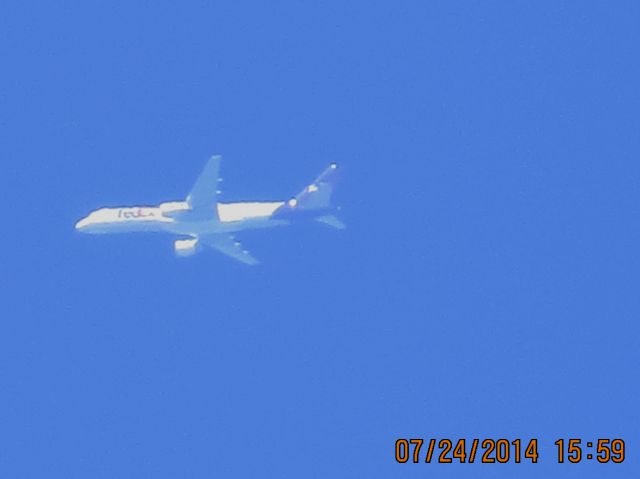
487 284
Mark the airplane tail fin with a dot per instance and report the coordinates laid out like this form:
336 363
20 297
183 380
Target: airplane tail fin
315 200
318 194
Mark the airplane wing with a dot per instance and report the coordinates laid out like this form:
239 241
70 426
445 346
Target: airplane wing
204 194
228 245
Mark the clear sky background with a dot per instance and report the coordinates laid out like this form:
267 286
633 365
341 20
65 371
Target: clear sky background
486 286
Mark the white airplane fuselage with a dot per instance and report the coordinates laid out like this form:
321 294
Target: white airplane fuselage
176 217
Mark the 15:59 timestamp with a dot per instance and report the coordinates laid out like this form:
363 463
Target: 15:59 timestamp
606 450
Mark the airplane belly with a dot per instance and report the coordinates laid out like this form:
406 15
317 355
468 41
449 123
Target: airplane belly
222 227
254 223
125 227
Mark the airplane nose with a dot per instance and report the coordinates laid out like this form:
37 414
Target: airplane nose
81 224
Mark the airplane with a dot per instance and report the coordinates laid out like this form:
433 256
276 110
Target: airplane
208 222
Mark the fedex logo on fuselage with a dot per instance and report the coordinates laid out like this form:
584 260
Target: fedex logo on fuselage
130 213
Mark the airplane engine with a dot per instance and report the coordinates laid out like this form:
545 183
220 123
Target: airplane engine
186 247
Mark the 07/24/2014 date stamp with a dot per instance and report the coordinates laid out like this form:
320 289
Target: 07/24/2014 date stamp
492 451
